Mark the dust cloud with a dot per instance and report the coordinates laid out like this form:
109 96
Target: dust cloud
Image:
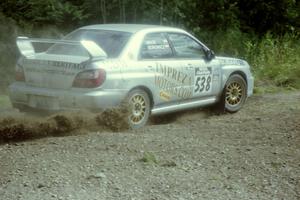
19 127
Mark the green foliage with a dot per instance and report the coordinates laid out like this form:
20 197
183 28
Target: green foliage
279 16
276 59
230 42
149 157
4 102
8 52
38 13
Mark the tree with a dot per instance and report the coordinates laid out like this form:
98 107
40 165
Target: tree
269 15
37 13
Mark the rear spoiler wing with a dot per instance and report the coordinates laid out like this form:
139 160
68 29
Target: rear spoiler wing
26 48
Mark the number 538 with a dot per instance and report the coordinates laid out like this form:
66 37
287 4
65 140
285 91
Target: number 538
203 84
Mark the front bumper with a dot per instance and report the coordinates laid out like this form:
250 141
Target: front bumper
250 84
22 95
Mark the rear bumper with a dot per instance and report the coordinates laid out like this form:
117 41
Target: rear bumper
56 99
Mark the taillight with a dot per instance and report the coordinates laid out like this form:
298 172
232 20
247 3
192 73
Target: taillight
90 79
19 75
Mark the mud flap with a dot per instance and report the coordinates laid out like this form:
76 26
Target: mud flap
219 107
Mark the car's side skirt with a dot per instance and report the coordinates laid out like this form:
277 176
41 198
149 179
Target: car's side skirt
183 106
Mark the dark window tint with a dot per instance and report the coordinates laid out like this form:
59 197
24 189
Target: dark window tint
156 45
186 47
112 42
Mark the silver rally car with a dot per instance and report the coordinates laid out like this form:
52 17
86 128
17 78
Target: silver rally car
155 69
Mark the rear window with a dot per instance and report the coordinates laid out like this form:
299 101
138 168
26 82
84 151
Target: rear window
112 42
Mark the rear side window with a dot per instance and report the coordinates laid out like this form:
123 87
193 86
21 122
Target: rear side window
185 47
156 46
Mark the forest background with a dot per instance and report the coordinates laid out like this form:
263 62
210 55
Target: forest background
265 33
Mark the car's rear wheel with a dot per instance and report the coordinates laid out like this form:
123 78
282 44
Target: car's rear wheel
235 93
139 108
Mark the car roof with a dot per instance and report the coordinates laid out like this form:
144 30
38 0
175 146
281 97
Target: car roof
130 28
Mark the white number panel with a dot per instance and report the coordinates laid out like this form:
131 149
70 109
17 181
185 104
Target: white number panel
203 80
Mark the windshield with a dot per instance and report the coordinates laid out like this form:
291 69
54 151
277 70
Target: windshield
112 42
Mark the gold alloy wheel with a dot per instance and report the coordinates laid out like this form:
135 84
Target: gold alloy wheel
234 93
138 107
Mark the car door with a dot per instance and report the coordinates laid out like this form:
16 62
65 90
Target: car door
191 56
169 79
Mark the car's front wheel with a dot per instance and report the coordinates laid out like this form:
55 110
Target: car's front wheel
235 93
139 108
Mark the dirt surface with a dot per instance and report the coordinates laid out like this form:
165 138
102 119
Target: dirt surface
253 154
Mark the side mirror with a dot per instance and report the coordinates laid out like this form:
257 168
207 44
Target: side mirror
210 55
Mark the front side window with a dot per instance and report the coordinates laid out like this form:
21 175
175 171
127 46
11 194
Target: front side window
185 46
156 45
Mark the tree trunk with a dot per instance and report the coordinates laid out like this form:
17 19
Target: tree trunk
122 11
161 11
135 7
103 11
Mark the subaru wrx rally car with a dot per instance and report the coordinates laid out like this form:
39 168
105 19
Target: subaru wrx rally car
155 69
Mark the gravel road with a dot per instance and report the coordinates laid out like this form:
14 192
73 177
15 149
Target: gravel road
253 154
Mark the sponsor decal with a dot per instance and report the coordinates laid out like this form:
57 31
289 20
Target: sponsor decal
165 96
154 45
56 64
50 71
158 47
173 82
231 61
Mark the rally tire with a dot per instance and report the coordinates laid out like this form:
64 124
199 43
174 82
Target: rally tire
234 93
139 108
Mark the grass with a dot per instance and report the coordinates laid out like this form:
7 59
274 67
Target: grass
276 60
149 157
